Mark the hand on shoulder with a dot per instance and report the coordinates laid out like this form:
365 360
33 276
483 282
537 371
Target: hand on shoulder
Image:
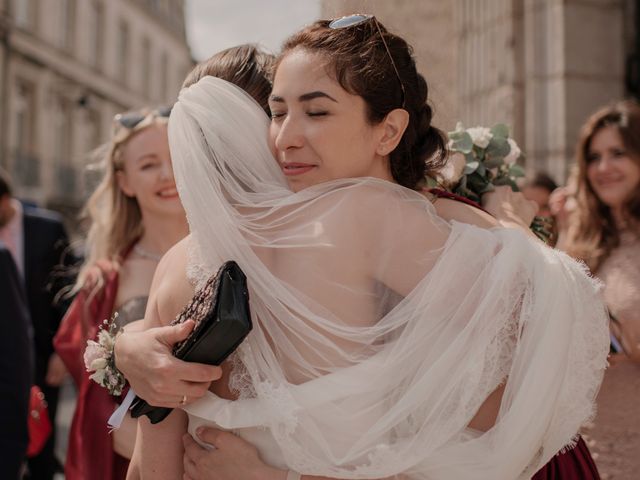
510 207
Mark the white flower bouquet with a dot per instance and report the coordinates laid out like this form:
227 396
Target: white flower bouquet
482 158
99 359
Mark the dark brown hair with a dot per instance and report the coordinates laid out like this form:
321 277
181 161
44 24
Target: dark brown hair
593 233
359 60
543 180
246 66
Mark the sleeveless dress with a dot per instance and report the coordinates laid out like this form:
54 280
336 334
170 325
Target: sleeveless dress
90 453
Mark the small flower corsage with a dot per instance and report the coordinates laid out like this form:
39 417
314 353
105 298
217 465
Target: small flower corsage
99 359
482 158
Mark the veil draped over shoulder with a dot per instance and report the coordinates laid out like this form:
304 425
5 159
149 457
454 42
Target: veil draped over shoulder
379 328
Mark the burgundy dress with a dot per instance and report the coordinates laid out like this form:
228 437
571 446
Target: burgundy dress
573 464
90 453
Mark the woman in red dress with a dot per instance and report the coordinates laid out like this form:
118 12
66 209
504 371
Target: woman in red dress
136 216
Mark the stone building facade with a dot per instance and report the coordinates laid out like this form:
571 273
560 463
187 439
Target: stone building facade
67 67
540 66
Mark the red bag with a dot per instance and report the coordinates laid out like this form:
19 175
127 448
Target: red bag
39 424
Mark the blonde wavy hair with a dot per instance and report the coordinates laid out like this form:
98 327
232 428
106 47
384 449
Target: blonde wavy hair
115 220
593 232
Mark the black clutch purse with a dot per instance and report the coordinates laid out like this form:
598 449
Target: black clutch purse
223 320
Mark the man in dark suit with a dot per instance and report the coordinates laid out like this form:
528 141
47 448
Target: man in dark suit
16 368
37 241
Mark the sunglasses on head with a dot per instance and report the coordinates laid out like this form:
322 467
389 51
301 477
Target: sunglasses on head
358 19
131 120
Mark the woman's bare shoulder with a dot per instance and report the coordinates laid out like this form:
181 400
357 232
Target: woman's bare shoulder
178 253
463 213
173 289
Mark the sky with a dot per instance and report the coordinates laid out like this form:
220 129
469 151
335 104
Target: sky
213 25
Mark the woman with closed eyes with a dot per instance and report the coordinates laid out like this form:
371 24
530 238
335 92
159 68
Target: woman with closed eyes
388 342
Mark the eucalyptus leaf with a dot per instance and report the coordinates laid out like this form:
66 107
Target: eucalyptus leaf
471 167
500 130
477 183
462 141
492 161
516 170
498 148
481 170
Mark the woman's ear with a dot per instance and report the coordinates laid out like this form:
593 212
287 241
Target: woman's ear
123 183
393 127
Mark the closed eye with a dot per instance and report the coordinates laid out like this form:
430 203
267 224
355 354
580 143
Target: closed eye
618 153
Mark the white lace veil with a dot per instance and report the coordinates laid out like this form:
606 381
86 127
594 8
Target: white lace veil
379 328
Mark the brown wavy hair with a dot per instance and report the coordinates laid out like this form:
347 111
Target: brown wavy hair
247 66
358 60
593 232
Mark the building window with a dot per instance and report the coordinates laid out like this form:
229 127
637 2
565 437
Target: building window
65 173
96 32
145 65
61 126
123 52
92 132
26 165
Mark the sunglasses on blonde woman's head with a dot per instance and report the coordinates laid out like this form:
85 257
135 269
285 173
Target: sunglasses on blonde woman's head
128 121
359 19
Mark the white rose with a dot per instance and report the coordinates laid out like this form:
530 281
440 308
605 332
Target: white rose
98 364
452 171
481 136
514 153
91 353
106 340
98 377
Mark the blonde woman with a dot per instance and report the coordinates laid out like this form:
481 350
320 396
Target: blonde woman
603 229
135 216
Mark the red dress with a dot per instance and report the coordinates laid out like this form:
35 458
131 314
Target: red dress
573 464
90 453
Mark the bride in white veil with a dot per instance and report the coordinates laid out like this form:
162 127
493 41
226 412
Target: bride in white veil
380 330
